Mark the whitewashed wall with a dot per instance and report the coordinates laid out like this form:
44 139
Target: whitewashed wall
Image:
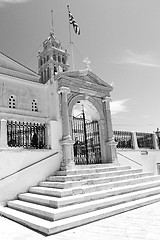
12 161
147 158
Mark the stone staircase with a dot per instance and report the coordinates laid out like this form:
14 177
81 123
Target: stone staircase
85 194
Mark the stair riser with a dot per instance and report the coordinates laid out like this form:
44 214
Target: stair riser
48 192
89 171
90 166
106 186
97 217
51 192
53 217
101 214
114 184
32 211
100 195
66 185
90 176
55 203
101 205
39 200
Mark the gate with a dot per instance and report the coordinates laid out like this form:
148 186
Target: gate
87 141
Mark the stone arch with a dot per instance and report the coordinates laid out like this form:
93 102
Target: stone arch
97 103
73 100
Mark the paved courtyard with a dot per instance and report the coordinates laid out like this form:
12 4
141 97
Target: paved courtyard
141 223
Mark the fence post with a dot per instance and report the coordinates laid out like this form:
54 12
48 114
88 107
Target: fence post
134 141
3 133
47 135
155 141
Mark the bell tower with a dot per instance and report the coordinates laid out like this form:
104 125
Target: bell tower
52 59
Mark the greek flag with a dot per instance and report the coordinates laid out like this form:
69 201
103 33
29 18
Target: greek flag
73 22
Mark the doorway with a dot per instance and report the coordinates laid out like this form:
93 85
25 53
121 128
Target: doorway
85 133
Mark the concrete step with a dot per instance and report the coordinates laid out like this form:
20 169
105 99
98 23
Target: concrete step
46 227
51 191
101 165
80 177
87 169
71 184
68 200
148 183
70 206
90 188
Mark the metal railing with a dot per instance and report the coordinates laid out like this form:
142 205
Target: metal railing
145 140
123 139
31 165
28 135
130 159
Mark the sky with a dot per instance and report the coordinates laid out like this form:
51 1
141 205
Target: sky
121 38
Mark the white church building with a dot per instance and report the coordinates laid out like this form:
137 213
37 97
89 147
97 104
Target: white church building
44 113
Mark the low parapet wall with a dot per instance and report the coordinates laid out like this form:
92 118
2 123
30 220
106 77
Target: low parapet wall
146 159
20 170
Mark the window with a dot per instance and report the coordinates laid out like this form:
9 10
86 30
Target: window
34 105
48 73
41 76
63 60
54 57
59 58
12 102
158 168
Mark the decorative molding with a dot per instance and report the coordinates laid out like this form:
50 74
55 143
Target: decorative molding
64 90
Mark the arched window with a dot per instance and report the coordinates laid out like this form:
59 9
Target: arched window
48 73
55 70
34 105
63 60
59 58
54 57
12 101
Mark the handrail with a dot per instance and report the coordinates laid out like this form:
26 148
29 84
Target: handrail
129 159
28 166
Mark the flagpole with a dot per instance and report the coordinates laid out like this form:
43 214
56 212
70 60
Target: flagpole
71 43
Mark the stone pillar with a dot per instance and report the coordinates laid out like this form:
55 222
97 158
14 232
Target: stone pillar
66 142
134 141
111 150
48 135
155 141
102 132
3 133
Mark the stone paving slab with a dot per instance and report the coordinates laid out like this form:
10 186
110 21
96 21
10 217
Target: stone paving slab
139 224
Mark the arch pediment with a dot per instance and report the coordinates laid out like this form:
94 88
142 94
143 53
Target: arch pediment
83 81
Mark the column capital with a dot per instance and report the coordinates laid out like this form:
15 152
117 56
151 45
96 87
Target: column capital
64 90
107 99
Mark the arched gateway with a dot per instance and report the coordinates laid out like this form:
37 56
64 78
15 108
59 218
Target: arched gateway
86 119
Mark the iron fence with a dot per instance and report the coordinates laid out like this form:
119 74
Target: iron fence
145 140
123 139
28 135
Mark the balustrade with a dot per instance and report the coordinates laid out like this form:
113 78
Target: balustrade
138 140
123 139
28 135
145 140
